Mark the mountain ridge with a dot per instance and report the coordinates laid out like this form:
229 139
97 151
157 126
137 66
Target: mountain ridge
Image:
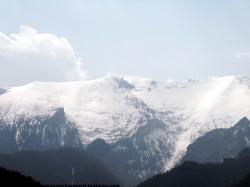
117 108
220 143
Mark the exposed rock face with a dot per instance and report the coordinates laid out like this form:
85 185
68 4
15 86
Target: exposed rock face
39 133
220 143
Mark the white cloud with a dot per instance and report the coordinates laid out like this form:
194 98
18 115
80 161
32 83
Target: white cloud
33 56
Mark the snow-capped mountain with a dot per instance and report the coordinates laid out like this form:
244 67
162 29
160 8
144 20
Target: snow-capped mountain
117 108
49 131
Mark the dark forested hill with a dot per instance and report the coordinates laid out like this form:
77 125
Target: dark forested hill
192 174
10 178
63 166
245 182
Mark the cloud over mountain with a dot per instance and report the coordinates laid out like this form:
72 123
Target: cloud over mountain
30 55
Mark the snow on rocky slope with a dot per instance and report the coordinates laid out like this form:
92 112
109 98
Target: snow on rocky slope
115 107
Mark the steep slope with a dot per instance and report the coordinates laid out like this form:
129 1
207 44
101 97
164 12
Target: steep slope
91 104
135 158
63 166
192 174
220 143
13 178
50 131
121 109
218 102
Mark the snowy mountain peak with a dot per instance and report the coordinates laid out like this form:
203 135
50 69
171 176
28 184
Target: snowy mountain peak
115 107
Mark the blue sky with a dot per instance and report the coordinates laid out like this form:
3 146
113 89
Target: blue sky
159 39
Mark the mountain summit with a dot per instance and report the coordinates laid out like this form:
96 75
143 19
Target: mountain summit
131 113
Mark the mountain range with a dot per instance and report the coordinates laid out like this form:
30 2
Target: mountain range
144 125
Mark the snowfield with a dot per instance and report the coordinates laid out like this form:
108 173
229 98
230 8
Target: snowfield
115 107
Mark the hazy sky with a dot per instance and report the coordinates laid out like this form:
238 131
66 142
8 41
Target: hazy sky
54 40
